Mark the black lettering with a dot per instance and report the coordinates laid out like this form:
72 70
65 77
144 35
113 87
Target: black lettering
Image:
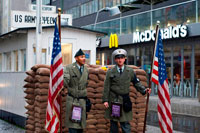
16 18
25 19
47 20
20 18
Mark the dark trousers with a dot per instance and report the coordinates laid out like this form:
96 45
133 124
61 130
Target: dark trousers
126 127
73 130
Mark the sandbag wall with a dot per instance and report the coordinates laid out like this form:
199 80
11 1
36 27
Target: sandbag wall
38 80
37 93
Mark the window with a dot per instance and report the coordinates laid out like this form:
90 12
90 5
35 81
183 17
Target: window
8 61
23 60
66 50
44 56
16 61
197 70
0 62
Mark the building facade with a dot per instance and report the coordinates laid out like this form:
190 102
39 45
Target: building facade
181 53
6 6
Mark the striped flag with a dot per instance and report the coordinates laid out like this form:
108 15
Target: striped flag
55 85
159 77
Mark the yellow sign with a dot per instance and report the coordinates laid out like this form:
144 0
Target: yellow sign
113 41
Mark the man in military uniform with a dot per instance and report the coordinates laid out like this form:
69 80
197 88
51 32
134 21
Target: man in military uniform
75 80
116 93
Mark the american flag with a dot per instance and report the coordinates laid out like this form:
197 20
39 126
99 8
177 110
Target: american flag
159 77
55 85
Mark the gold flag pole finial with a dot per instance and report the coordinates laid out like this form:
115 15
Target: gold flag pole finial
59 11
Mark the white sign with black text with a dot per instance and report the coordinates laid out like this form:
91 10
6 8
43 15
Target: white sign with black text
178 31
45 8
21 19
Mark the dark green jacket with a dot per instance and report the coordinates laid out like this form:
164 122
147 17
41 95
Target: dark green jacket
76 86
116 85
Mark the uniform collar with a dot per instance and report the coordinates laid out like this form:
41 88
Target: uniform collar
119 68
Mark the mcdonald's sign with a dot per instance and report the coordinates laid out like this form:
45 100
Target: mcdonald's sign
113 41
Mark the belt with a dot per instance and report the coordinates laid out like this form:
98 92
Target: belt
77 97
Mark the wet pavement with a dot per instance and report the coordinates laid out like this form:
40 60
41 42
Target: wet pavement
6 127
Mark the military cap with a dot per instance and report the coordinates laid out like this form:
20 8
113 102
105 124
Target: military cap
119 53
79 52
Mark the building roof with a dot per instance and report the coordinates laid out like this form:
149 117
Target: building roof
45 27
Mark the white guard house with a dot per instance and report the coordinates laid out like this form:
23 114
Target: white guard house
17 54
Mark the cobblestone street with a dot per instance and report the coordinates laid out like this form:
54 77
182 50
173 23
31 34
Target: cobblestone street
6 127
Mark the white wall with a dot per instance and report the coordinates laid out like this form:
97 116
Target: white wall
79 39
12 92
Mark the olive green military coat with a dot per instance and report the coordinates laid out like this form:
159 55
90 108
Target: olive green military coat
116 85
76 85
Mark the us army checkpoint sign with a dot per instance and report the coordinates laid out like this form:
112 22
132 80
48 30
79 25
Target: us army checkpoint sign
21 19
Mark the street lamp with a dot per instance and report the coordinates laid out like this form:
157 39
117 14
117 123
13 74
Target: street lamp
115 11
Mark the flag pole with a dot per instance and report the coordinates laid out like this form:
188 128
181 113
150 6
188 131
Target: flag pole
147 101
59 30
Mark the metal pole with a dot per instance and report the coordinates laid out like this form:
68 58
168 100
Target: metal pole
59 29
151 17
147 101
38 32
96 19
197 13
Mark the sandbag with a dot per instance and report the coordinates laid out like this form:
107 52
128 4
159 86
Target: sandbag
29 96
43 71
93 70
41 98
91 121
29 107
31 102
101 71
89 89
102 77
29 91
30 127
140 72
29 85
35 67
42 85
98 95
39 91
30 72
101 126
29 121
94 77
101 121
92 84
99 89
29 79
100 84
42 79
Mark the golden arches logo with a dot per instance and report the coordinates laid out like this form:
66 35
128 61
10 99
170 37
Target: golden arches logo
113 42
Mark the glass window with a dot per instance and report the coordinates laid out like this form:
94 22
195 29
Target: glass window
0 62
177 71
44 55
8 61
127 25
66 50
197 71
16 60
171 16
187 87
23 60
